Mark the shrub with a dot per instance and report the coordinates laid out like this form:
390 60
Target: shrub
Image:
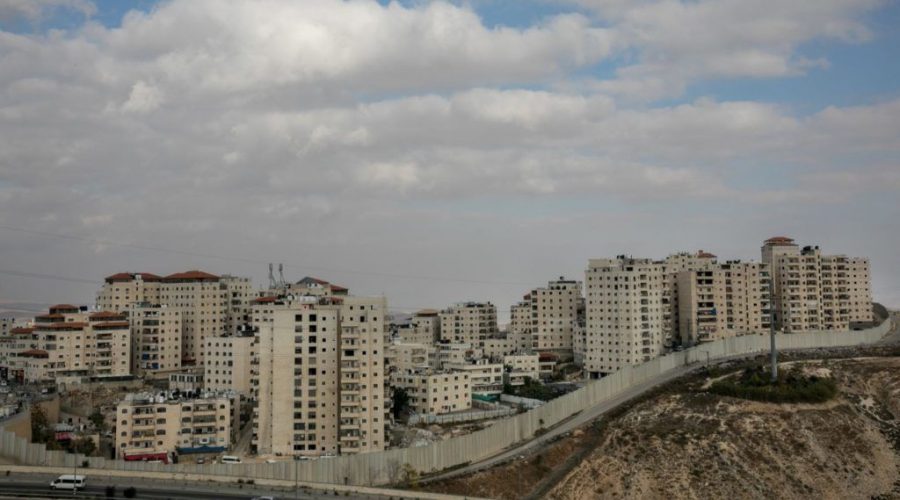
793 387
110 492
130 492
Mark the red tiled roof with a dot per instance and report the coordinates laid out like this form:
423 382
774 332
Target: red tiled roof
547 356
428 312
338 288
780 240
50 316
265 300
106 315
63 307
191 275
35 353
314 280
21 330
705 255
71 325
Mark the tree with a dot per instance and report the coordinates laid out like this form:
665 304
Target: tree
40 429
97 419
85 446
400 400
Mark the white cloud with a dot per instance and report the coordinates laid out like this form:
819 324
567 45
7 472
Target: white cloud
678 42
394 138
143 98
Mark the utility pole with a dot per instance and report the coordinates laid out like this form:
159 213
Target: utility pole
774 352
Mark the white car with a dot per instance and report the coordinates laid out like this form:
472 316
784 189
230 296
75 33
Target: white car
68 482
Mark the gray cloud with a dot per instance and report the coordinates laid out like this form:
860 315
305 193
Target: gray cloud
374 144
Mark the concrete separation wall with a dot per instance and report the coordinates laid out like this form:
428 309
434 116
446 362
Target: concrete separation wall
387 467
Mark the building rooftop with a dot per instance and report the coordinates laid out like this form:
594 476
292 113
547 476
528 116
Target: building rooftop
193 275
120 277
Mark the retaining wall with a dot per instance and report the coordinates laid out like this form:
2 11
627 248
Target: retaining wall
387 467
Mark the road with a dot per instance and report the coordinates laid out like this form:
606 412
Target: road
37 486
586 416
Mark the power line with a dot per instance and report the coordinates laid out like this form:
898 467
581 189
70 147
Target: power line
259 262
25 274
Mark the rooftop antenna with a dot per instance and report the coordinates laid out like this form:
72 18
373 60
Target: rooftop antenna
281 281
271 276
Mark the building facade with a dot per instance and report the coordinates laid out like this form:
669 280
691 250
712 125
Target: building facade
722 300
435 393
318 374
624 324
468 322
813 291
210 305
156 338
72 342
226 365
151 424
554 313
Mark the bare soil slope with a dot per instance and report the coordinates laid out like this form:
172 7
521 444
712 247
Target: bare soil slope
691 444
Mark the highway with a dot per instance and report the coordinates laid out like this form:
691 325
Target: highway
21 485
586 416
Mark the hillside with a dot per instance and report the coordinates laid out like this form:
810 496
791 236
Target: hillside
686 443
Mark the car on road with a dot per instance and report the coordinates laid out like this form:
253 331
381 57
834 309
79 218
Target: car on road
229 459
68 482
263 498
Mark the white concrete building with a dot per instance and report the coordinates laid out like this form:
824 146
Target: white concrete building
227 363
813 291
624 313
468 322
318 374
156 339
150 425
435 393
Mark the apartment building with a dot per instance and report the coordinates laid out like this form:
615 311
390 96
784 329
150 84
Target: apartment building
435 393
554 313
468 322
210 304
406 357
813 291
311 286
318 374
486 378
521 366
458 353
72 342
624 323
672 266
17 341
150 426
502 345
226 365
423 328
722 300
7 324
156 338
190 380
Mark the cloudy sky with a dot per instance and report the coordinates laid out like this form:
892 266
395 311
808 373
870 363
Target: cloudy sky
439 151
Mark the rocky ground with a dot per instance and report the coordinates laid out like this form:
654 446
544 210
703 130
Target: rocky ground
685 443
